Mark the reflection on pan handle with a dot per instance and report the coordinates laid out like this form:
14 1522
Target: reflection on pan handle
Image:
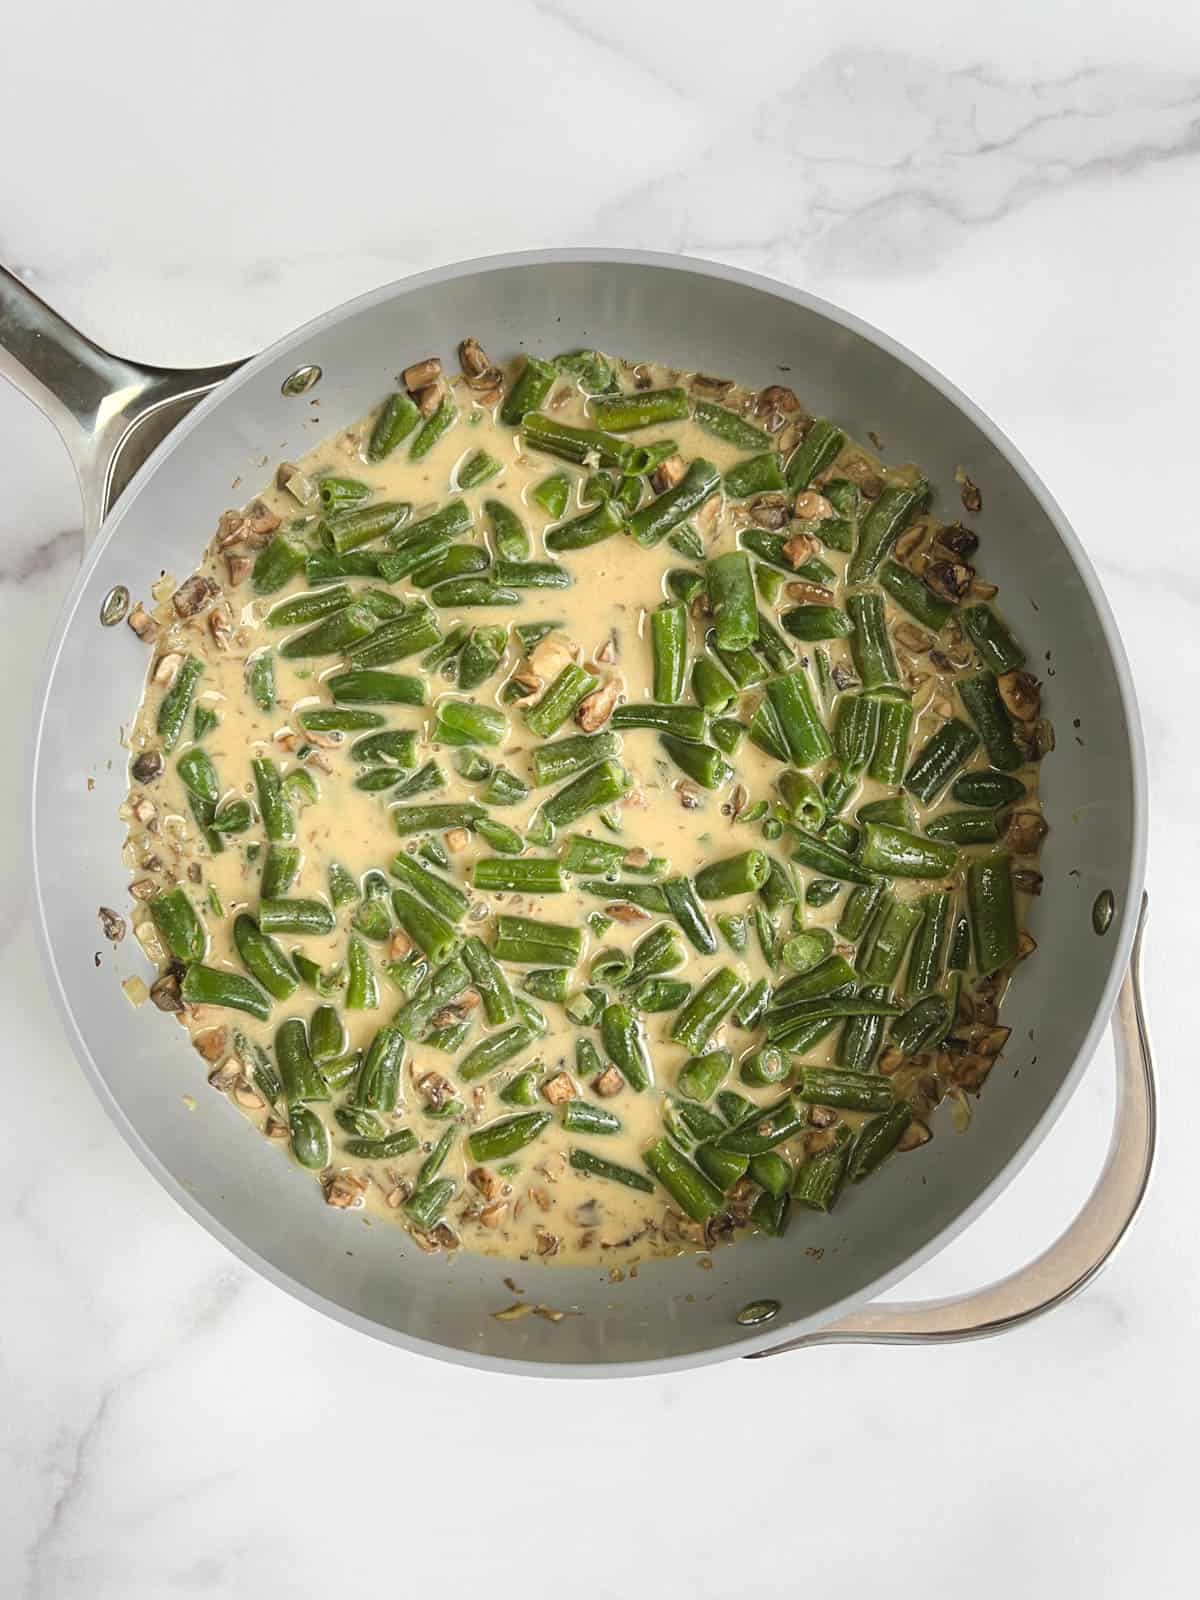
110 412
1073 1261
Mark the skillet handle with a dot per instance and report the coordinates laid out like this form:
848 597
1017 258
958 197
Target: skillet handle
110 412
1078 1255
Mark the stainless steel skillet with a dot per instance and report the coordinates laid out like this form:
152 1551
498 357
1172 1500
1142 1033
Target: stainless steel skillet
113 413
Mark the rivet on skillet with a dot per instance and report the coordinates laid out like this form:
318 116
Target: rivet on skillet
115 606
300 381
1102 911
758 1311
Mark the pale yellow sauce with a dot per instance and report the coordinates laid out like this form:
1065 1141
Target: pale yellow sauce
615 586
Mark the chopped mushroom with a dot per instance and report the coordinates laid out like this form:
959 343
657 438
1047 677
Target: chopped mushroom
914 1136
770 511
197 593
622 911
691 795
142 623
594 710
948 579
490 1184
1023 831
912 637
550 655
456 839
295 482
958 541
493 1215
261 522
477 368
547 1242
1026 945
609 1083
143 889
801 547
703 384
345 1190
435 1090
813 507
1027 880
971 498
167 667
164 992
220 625
148 766
559 1089
143 810
113 924
212 1043
1022 695
667 474
808 594
421 374
428 399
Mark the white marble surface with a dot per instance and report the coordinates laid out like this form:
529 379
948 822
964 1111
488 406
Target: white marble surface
1010 191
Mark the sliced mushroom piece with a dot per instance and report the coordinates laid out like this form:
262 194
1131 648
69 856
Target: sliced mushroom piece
551 654
428 399
231 529
224 1077
194 595
909 543
891 1060
490 1184
143 810
958 541
912 637
609 1083
1022 694
143 889
770 511
595 709
622 911
1027 881
212 1043
421 373
776 398
456 839
950 580
399 945
808 594
491 1216
691 795
1023 831
667 474
813 507
238 567
261 522
701 383
914 1136
296 482
220 625
559 1089
344 1190
547 1242
435 1090
476 366
972 499
167 667
148 766
164 992
142 623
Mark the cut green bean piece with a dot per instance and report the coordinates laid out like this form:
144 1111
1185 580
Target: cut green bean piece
760 474
592 528
877 1140
883 523
987 711
625 1045
915 596
731 596
333 634
592 790
695 1194
627 412
397 419
598 1167
653 522
992 912
532 385
937 761
1000 651
802 729
819 1178
506 1137
816 453
989 790
210 986
433 428
891 744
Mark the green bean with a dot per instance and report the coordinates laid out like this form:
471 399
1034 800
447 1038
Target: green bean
897 853
711 686
681 722
764 1066
478 468
685 906
445 898
684 584
662 994
891 746
860 1038
382 1149
521 1090
260 679
301 1079
504 788
277 563
914 596
377 1087
549 983
989 790
834 976
591 371
554 438
653 522
309 1137
530 942
294 916
396 420
765 1127
432 933
433 428
571 685
415 631
426 1206
506 1137
333 634
778 888
362 986
928 1019
669 646
760 474
734 1107
695 1194
626 412
480 592
436 818
772 1172
360 1124
880 957
819 1178
856 731
278 819
455 563
731 596
347 530
258 1064
599 786
688 1123
739 874
988 712
804 951
822 891
564 758
436 990
552 494
773 647
624 1044
209 986
263 958
582 532
199 775
499 1003
726 733
527 876
766 731
715 998
322 566
533 384
420 546
463 722
177 702
845 1091
870 644
803 731
877 1140
339 719
724 1167
992 913
701 1076
326 1035
580 1116
598 1167
925 963
858 910
395 746
963 827
703 763
812 622
203 722
820 856
178 926
727 425
1000 651
816 453
895 809
881 526
939 759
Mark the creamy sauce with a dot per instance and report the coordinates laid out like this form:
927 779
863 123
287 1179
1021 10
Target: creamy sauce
615 586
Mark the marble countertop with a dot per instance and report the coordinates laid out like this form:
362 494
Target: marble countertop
1015 198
